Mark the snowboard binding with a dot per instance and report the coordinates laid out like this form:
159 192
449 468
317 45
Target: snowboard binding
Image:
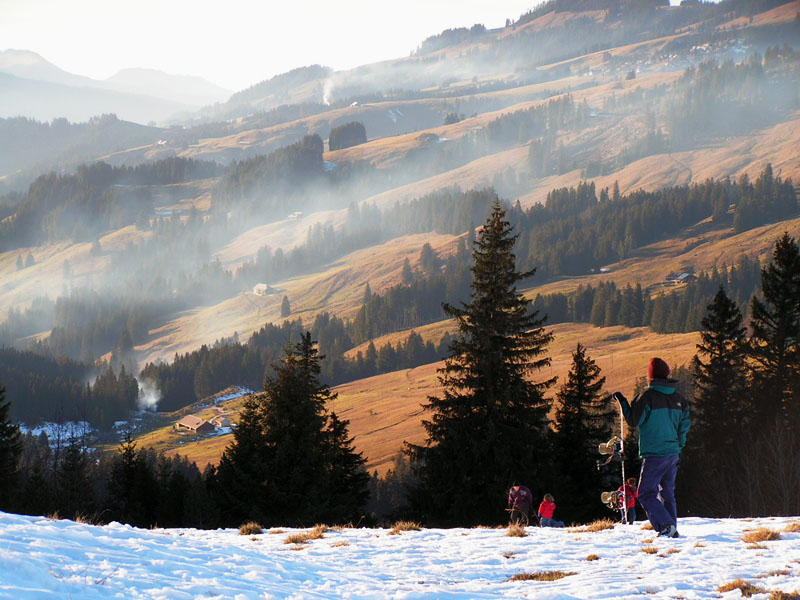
612 449
612 500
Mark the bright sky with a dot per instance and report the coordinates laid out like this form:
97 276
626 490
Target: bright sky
233 43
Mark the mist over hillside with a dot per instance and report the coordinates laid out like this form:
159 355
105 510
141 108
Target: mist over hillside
645 154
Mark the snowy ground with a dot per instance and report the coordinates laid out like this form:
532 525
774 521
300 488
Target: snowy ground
41 558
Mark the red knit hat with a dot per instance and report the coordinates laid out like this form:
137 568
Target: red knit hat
658 369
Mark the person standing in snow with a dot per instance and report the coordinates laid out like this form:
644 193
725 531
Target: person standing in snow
546 510
661 415
519 503
630 493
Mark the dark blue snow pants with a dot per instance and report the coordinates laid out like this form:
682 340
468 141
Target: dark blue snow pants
657 490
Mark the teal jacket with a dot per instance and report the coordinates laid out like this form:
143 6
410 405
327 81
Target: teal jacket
662 416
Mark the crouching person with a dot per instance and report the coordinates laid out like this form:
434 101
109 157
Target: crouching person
546 511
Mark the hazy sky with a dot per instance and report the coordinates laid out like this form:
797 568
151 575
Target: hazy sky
234 43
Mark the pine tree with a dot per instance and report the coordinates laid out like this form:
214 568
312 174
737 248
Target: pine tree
348 479
10 449
286 308
720 412
582 421
290 463
720 373
406 275
775 341
240 481
489 427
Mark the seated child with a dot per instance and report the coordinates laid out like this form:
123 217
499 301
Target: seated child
546 510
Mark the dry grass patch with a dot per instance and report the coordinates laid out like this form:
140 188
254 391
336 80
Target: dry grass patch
747 588
509 554
541 576
793 527
515 530
647 527
779 595
401 526
595 526
305 536
648 541
276 531
340 544
250 528
673 551
756 547
762 534
650 550
699 545
592 557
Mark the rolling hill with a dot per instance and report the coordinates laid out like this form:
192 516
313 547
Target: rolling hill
671 97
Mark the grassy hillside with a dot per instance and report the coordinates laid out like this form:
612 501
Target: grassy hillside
384 411
497 89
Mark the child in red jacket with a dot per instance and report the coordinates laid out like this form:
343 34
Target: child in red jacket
631 494
546 510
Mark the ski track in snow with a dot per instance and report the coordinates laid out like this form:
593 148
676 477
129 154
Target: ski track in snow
43 558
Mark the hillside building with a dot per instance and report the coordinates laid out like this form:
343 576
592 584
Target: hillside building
194 424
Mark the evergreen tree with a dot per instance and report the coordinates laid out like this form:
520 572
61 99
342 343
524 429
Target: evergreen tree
775 341
406 275
582 421
720 412
489 428
240 481
10 449
720 375
290 463
348 479
132 487
286 308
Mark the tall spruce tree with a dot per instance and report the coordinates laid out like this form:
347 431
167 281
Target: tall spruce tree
721 409
290 462
583 419
720 412
775 341
488 429
10 449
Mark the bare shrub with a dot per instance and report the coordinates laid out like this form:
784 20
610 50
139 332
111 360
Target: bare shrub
250 528
762 534
793 527
747 588
515 530
541 576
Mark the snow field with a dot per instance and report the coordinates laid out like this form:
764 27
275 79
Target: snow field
43 558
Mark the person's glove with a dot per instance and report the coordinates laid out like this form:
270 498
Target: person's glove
619 397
